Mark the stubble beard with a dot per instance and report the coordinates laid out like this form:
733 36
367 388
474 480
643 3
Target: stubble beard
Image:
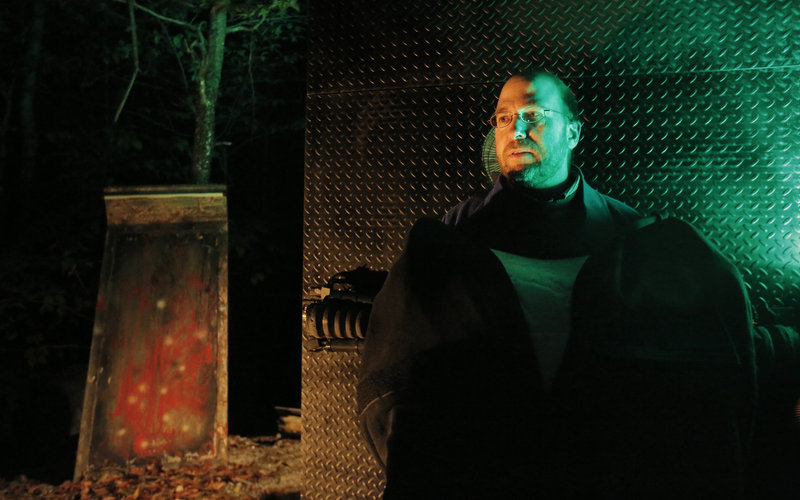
535 174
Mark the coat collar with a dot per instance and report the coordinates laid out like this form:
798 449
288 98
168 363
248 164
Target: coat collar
596 209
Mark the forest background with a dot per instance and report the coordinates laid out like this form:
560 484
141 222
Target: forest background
115 93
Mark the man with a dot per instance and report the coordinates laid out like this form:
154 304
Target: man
541 208
547 343
551 212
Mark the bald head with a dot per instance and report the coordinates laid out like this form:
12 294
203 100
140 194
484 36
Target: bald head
566 93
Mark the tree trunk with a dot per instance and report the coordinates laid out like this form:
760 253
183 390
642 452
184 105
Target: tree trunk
207 91
8 101
27 94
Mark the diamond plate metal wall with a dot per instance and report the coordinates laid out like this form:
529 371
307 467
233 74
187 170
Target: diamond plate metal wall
692 109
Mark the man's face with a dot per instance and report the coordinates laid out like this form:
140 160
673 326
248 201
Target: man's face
536 155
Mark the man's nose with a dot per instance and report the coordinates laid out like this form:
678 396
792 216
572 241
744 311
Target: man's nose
520 128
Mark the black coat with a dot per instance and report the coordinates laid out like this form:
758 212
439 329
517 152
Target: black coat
655 397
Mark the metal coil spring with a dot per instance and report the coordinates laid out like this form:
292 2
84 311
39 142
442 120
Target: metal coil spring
341 319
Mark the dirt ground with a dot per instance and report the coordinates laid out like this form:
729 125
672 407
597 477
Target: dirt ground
260 468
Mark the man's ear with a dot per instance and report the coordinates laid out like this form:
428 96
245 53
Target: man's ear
573 133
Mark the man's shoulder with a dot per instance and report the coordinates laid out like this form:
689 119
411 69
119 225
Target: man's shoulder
467 208
619 210
623 209
464 209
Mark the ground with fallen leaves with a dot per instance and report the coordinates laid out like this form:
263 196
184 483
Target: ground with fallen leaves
257 468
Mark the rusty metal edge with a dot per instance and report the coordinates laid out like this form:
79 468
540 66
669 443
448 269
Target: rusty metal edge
90 394
147 205
172 189
220 439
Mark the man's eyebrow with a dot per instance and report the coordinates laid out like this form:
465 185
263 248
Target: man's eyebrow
506 103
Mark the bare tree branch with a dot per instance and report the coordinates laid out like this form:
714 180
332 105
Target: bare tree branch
159 16
176 54
243 26
252 83
135 44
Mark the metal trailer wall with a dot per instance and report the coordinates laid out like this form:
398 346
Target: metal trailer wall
692 109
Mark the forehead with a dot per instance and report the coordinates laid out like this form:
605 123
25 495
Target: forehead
519 92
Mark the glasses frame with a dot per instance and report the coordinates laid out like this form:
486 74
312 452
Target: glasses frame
543 112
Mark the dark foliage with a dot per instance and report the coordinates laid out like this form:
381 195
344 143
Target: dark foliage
52 219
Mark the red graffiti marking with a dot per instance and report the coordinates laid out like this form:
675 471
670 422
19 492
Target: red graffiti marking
194 283
166 394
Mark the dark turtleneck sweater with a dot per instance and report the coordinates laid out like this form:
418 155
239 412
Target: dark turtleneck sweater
568 222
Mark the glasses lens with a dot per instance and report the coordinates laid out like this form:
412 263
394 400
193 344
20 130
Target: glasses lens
501 120
532 116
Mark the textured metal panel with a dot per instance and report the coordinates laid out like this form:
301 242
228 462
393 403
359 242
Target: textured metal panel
715 149
337 464
691 110
383 161
364 44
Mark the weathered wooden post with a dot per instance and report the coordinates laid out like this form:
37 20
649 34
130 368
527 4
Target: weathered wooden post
158 375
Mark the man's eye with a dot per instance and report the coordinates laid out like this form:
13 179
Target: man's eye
531 116
503 119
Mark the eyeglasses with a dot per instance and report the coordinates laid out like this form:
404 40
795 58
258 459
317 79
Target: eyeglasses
531 116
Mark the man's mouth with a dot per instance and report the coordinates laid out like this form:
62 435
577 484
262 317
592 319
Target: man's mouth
523 153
